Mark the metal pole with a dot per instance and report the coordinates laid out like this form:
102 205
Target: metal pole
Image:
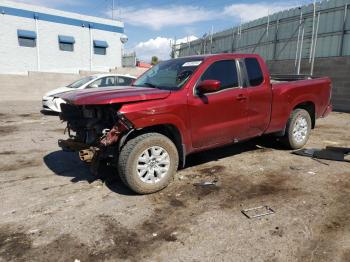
37 44
341 51
211 39
239 35
189 46
315 45
204 44
275 40
112 9
91 46
301 50
297 51
313 32
233 41
268 24
240 28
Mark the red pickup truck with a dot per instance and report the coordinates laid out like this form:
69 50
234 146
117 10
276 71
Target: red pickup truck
187 105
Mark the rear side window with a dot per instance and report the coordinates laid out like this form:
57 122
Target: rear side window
124 81
103 82
254 72
223 71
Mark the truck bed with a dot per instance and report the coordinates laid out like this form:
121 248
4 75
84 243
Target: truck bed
290 90
280 78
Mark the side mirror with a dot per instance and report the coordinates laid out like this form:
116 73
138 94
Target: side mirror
209 86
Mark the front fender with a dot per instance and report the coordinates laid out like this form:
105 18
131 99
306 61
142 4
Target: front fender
165 119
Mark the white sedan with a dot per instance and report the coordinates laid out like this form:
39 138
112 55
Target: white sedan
53 104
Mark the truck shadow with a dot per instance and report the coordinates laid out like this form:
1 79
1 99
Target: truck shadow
216 154
68 164
219 153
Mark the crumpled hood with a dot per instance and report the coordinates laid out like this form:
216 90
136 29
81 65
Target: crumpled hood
103 96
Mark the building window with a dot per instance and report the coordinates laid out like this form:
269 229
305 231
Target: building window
26 38
66 43
100 47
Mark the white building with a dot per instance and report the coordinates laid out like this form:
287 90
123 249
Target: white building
34 38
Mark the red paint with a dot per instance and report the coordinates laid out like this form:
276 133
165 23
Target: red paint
143 65
217 118
209 86
103 96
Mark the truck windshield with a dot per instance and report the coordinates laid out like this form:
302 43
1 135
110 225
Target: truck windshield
169 75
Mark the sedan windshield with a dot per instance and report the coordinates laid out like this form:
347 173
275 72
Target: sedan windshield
81 82
169 75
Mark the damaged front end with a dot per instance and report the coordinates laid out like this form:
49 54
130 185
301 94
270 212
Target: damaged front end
94 131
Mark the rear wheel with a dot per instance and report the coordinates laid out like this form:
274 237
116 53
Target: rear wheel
148 163
298 129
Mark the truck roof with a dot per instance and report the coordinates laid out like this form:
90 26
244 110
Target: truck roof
204 57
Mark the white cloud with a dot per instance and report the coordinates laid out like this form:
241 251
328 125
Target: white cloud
159 47
186 39
249 12
158 18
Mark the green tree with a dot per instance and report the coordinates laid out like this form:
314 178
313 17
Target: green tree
154 60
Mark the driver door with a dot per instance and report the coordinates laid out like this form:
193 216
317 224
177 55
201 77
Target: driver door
220 117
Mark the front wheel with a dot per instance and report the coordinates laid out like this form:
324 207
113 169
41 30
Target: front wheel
147 163
298 129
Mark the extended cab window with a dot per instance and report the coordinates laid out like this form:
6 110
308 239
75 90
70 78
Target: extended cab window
224 71
254 72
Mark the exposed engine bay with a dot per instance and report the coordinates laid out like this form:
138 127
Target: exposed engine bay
94 131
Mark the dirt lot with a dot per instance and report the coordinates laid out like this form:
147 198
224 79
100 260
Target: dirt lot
53 209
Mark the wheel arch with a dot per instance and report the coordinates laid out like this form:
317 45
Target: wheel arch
168 130
310 108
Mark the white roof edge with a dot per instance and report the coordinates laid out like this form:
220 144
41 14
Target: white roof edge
46 10
113 74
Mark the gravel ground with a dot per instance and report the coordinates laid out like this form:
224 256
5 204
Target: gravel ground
53 209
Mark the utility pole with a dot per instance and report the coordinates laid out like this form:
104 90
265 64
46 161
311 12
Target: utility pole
112 9
114 4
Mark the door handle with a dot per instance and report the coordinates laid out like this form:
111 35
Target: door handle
241 97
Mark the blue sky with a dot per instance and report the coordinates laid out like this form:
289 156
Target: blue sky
150 25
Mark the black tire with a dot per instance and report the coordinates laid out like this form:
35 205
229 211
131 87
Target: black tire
290 139
128 161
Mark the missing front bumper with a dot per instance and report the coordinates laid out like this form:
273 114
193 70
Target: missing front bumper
71 145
